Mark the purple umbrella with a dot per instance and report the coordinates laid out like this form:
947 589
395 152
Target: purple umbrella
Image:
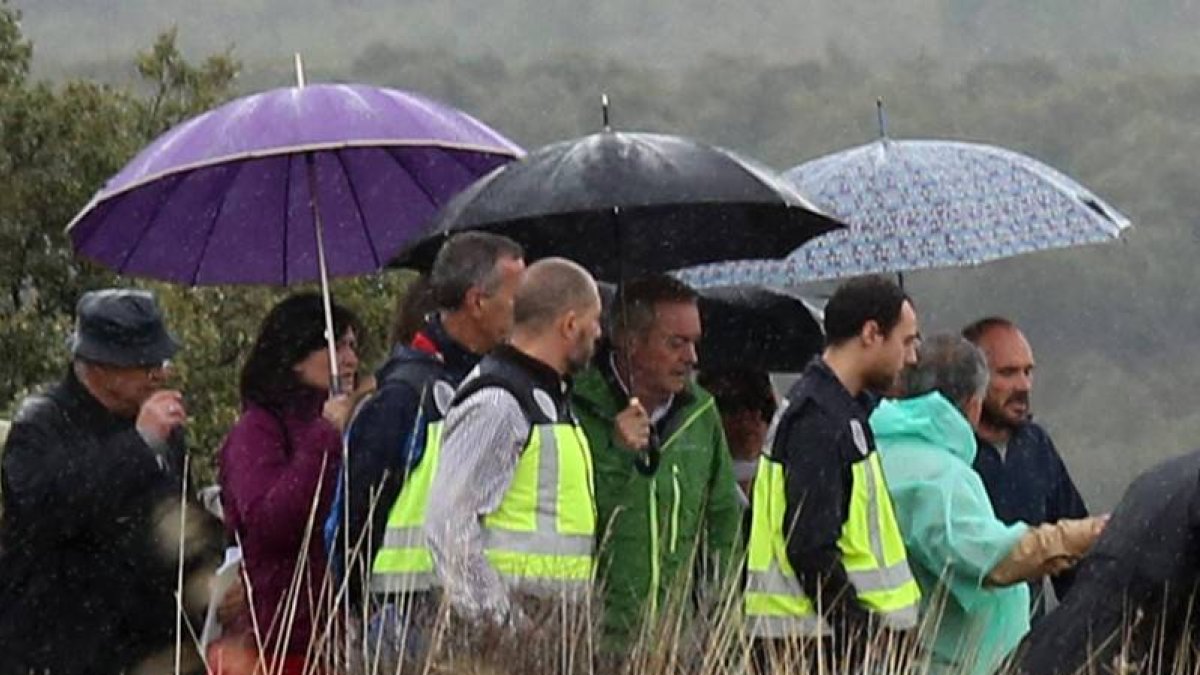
287 186
223 198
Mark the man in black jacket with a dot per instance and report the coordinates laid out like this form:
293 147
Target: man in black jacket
93 474
822 431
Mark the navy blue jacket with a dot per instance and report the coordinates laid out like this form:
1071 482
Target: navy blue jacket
1030 484
383 450
819 435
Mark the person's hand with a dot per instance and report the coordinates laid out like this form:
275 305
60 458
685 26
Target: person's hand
339 409
1079 535
234 604
632 426
1056 566
161 413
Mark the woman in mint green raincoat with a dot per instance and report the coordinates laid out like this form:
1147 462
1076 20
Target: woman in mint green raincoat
969 564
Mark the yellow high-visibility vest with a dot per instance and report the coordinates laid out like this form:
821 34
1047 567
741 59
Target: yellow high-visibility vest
544 531
404 564
541 535
873 555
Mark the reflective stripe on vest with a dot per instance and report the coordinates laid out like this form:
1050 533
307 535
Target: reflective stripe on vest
404 563
542 535
873 555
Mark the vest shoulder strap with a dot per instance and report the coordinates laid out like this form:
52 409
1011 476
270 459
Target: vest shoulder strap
525 396
539 406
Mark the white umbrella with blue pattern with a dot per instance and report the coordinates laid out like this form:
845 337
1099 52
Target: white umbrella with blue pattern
922 204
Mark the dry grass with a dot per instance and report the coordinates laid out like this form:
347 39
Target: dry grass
698 632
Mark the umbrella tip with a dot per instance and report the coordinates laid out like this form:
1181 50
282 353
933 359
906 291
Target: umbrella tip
299 70
879 115
604 111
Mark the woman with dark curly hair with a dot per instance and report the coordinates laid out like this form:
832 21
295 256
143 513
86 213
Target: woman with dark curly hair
278 470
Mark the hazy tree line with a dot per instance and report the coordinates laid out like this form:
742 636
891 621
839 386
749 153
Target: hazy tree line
1112 325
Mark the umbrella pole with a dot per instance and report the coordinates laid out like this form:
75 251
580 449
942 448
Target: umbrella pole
652 455
335 387
310 164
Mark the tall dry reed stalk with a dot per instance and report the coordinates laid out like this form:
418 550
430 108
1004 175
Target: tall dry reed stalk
698 631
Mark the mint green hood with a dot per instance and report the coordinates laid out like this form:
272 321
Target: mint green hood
930 421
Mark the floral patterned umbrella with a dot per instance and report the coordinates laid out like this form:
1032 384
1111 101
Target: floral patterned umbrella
921 204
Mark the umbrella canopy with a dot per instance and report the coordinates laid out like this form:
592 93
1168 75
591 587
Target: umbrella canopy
224 198
624 204
752 327
924 204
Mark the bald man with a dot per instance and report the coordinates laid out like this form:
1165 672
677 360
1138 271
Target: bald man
511 513
1025 477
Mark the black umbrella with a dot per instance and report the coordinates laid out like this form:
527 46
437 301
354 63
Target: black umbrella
752 327
626 204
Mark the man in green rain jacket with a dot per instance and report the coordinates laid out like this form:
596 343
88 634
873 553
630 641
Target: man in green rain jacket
666 500
970 565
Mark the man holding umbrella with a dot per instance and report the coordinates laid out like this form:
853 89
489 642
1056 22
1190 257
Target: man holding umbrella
826 558
93 473
665 491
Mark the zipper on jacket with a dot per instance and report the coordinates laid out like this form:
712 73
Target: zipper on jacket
654 571
675 507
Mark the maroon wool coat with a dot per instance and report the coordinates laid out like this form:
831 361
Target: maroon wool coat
272 465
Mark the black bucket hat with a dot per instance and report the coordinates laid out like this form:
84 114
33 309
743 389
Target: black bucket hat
121 327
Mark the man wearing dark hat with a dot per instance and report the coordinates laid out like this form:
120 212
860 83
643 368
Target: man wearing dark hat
92 477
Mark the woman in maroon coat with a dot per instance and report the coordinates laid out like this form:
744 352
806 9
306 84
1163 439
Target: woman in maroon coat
278 470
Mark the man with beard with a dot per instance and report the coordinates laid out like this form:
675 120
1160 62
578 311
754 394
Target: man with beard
665 492
826 559
511 519
1024 475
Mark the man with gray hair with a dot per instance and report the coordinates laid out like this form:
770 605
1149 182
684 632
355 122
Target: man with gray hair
471 287
665 492
970 564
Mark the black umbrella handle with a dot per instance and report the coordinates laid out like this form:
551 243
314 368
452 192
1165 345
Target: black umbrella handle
647 461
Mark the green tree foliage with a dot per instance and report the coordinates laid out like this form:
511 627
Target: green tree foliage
59 145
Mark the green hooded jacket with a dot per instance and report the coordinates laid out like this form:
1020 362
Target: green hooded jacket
657 531
953 536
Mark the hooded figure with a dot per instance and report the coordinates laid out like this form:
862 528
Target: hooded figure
968 563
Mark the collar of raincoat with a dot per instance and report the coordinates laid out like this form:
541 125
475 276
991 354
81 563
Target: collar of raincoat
929 420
